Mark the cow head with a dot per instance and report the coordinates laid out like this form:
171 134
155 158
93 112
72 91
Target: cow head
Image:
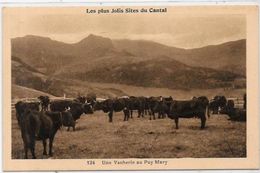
87 108
100 105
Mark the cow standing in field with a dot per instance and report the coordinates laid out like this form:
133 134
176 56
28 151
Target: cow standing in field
197 107
36 125
76 109
114 105
159 105
60 105
22 106
137 103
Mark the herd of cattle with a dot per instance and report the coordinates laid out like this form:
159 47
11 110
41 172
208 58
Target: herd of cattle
42 119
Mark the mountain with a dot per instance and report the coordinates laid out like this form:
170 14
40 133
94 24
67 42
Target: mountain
215 56
162 72
134 62
29 82
48 55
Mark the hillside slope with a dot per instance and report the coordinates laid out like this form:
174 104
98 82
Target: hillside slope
161 72
48 64
48 55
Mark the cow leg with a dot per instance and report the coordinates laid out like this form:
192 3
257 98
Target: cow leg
44 147
203 122
139 113
32 148
110 115
131 113
153 115
176 122
159 115
125 116
25 151
68 129
73 127
50 146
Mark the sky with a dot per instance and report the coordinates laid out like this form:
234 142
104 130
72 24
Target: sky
184 30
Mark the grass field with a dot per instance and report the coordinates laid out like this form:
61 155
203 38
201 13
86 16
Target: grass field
141 138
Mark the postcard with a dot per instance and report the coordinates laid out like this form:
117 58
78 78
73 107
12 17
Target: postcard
130 88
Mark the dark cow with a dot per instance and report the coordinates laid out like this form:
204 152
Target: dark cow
91 99
66 118
230 104
60 105
45 101
217 104
75 108
160 105
197 107
137 103
22 106
114 105
38 126
164 106
152 102
235 114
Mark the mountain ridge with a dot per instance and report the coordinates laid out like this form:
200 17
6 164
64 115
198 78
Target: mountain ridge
94 58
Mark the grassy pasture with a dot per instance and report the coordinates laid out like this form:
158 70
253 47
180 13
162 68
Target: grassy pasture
142 138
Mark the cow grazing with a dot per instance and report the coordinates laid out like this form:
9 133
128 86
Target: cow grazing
197 107
45 101
38 126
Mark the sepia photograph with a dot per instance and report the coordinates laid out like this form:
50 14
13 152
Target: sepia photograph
128 83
